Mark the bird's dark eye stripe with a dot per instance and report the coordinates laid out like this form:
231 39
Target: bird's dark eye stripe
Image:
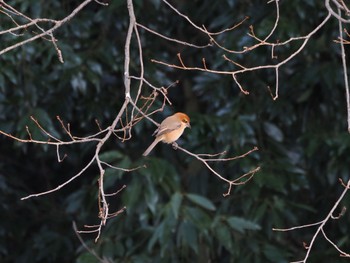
184 120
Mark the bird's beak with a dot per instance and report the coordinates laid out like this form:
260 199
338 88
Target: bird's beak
188 125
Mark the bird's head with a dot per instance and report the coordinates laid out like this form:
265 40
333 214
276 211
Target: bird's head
184 119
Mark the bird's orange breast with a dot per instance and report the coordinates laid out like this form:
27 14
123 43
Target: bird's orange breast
172 136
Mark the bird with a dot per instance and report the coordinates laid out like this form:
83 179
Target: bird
169 130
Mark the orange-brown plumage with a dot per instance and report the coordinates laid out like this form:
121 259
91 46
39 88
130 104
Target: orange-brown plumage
170 130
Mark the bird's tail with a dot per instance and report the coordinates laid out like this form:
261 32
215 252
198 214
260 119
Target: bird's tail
150 148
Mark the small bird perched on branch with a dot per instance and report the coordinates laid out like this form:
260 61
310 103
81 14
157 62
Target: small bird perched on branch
170 130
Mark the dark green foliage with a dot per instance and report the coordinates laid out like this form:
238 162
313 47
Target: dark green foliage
175 210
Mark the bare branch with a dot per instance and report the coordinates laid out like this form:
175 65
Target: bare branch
345 71
172 39
57 24
320 228
63 184
238 181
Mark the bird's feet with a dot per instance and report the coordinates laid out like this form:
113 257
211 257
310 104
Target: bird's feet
175 145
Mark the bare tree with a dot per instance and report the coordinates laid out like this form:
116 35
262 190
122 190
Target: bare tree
132 111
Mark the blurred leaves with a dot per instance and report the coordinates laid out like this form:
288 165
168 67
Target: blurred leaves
201 201
240 224
175 211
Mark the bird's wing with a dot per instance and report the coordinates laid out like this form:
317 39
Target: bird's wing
167 126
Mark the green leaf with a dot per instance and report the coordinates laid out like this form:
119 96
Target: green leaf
197 216
223 234
151 198
74 201
110 156
187 235
201 201
87 257
108 249
157 233
240 224
273 131
95 67
175 203
275 254
305 95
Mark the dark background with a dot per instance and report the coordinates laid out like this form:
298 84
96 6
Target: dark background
175 210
